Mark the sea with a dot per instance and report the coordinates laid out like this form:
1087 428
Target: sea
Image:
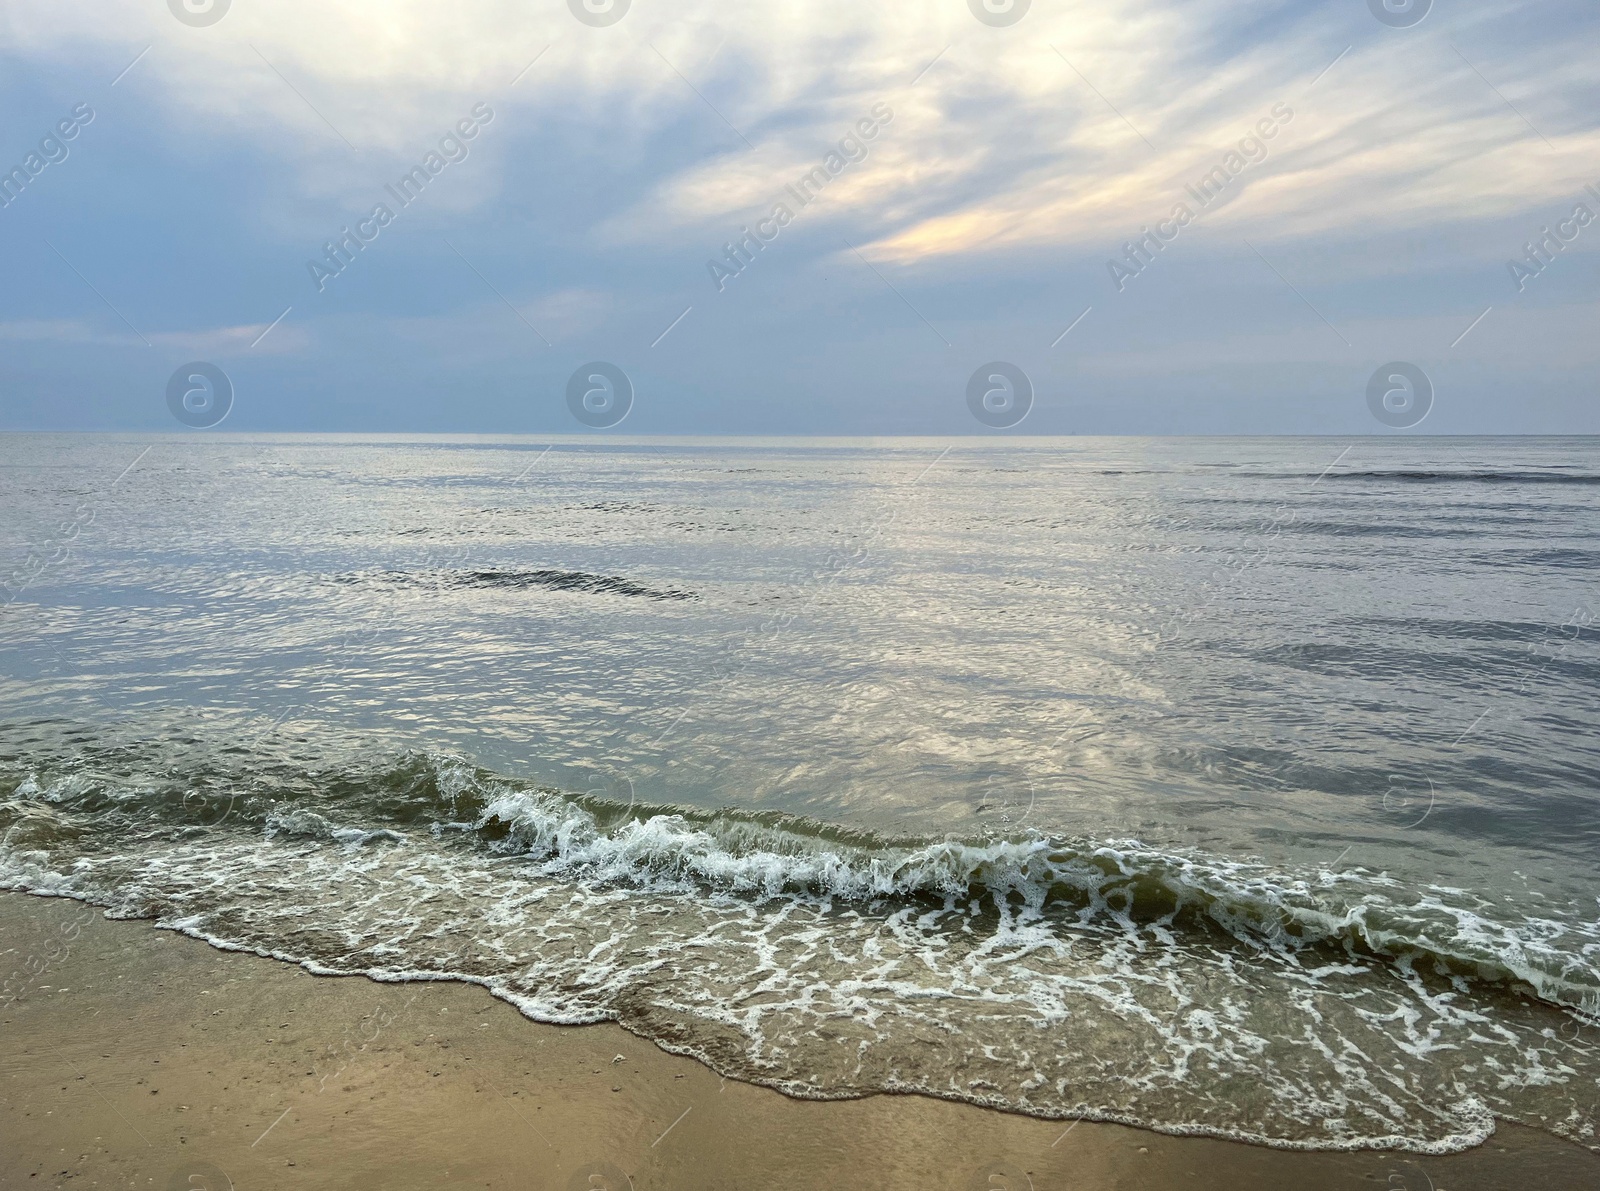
1240 787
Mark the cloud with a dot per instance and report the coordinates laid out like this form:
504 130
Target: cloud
218 341
257 338
1388 139
49 330
1074 127
1016 162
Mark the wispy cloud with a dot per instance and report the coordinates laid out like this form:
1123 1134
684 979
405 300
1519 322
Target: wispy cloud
623 157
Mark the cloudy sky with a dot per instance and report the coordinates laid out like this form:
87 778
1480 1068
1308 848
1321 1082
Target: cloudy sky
1373 180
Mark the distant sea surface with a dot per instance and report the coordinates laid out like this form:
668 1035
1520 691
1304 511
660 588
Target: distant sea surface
1243 787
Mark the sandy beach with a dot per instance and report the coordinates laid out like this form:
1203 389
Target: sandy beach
667 595
136 1057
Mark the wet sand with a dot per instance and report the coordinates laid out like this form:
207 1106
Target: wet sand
135 1057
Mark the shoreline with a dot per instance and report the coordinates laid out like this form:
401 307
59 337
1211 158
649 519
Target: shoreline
137 1056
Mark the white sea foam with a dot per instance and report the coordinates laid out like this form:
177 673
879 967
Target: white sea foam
1104 979
1120 879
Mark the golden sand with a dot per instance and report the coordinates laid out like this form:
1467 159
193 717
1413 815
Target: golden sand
135 1057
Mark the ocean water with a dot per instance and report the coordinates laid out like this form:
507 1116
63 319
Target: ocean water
1242 787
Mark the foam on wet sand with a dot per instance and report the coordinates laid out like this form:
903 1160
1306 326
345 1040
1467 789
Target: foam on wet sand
138 1057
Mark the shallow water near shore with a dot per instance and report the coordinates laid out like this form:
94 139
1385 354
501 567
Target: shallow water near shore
1231 787
139 1057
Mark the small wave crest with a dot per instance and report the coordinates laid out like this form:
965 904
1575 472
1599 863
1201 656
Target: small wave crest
1123 881
1463 476
521 580
1119 882
819 958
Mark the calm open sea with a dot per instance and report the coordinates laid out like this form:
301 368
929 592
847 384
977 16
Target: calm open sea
1245 787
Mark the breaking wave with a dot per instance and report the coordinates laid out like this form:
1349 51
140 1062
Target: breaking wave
813 957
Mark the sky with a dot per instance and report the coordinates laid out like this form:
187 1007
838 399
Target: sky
1101 217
